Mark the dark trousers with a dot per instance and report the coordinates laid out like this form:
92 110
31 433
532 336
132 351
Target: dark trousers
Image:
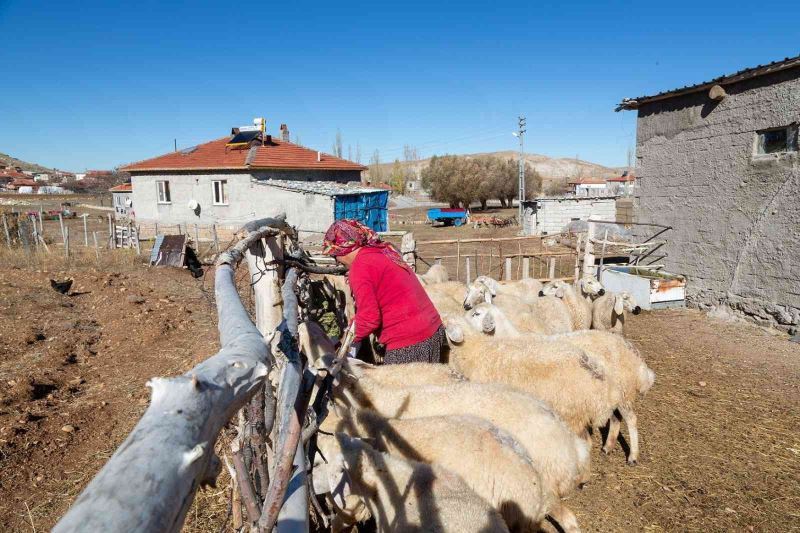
432 350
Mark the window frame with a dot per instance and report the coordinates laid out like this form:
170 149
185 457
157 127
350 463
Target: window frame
163 194
791 140
221 186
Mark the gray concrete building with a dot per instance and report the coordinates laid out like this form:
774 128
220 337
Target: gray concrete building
718 161
229 181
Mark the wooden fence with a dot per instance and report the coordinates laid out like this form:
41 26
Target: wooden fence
507 258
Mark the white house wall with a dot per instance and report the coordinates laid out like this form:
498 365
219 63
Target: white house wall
246 201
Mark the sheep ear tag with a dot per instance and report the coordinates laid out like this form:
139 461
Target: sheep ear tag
618 305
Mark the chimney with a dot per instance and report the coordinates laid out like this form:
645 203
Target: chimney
284 133
319 156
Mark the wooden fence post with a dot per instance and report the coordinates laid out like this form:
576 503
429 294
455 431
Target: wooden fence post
8 234
112 236
507 269
408 247
66 242
526 267
216 240
96 249
578 256
136 240
588 254
458 257
61 223
467 269
85 230
41 221
552 268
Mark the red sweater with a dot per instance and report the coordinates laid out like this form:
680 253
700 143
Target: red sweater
390 301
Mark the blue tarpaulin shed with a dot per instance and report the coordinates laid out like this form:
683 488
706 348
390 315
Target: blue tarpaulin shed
368 205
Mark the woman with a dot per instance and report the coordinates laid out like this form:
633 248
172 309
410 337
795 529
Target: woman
390 300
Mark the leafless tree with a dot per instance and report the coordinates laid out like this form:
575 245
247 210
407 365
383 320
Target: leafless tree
337 144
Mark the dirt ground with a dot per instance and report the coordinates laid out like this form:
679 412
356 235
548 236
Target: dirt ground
719 430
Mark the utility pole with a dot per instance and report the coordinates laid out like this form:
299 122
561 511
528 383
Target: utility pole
520 134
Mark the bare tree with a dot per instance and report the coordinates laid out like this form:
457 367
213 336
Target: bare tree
358 153
337 144
349 152
375 170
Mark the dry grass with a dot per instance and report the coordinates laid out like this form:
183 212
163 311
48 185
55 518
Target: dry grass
80 258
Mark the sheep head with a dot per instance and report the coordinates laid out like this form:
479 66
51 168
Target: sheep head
453 332
481 319
554 288
625 301
480 290
589 286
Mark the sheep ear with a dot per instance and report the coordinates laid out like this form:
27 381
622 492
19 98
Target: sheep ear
487 323
487 296
454 333
618 304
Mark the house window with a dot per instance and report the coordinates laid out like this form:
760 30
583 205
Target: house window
163 192
777 140
220 192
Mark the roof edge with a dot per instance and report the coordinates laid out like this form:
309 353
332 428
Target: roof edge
628 104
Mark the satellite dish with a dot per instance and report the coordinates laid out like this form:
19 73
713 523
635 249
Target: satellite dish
193 205
128 202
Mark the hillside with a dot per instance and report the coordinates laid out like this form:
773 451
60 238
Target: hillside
14 162
548 167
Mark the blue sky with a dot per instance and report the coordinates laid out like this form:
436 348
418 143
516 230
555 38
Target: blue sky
97 84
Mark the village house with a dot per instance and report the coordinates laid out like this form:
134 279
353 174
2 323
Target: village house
588 187
249 175
621 185
122 199
718 161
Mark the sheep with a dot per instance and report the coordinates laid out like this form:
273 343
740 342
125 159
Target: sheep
402 495
577 385
435 274
589 288
579 308
634 378
543 315
560 456
628 371
513 485
608 311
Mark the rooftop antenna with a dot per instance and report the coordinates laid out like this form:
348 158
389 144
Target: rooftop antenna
175 143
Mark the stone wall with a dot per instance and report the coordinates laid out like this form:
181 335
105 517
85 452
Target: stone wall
736 214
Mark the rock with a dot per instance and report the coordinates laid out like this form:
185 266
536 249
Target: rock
701 383
135 299
68 428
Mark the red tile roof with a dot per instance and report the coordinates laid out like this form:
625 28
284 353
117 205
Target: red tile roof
216 155
23 182
125 187
13 174
587 181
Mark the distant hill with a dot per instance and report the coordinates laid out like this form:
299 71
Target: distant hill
24 165
549 168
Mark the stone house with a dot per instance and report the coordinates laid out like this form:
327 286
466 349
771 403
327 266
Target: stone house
247 175
718 161
588 187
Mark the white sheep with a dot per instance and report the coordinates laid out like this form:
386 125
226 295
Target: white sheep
589 287
576 384
544 315
580 309
461 444
435 274
627 369
560 456
402 495
634 378
608 311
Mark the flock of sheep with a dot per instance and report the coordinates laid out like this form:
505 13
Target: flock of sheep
495 439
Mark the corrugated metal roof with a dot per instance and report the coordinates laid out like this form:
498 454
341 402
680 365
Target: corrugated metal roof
326 188
752 72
